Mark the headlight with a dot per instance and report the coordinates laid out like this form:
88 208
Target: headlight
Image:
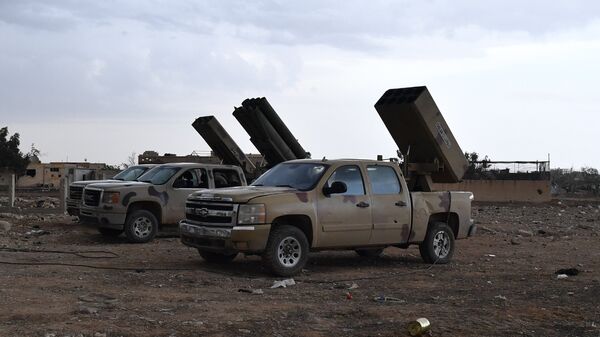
111 197
251 214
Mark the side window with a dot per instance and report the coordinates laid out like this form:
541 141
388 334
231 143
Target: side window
226 178
384 180
189 179
351 176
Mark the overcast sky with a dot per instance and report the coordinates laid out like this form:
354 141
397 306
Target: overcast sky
98 80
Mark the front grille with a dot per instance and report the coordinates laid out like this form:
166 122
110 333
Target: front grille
91 197
75 192
207 212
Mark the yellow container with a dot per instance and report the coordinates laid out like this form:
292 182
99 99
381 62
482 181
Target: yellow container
419 327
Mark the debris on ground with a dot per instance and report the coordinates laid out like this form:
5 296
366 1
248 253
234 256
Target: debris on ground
568 271
283 283
37 232
251 291
388 299
419 326
562 276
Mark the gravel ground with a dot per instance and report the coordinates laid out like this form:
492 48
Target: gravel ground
502 282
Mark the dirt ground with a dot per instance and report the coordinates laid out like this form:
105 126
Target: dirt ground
502 282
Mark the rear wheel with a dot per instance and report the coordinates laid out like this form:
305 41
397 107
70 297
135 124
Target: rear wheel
213 257
141 226
110 232
438 246
369 252
286 252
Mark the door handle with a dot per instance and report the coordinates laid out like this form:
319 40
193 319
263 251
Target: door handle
362 204
400 203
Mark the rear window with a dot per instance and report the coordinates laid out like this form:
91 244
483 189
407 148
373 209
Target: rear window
226 178
384 180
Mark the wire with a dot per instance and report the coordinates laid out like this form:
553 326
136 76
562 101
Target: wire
81 253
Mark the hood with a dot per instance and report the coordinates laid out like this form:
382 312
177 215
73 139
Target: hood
241 194
87 182
118 184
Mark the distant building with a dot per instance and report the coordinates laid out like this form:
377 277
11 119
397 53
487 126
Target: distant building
50 174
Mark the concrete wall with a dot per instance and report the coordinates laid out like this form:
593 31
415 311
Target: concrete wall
503 190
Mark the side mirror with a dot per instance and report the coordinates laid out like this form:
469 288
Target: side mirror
336 187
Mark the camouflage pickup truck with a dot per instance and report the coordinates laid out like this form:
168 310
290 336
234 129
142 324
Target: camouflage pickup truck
155 201
76 188
309 205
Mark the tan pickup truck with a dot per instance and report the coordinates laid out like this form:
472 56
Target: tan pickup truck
76 188
155 201
309 205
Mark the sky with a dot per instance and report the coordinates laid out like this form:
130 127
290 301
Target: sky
99 80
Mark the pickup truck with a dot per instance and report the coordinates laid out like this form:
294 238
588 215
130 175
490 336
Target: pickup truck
76 188
155 201
310 205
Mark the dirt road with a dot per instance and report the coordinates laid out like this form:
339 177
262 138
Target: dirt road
502 282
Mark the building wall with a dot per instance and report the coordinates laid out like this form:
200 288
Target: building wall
503 190
50 174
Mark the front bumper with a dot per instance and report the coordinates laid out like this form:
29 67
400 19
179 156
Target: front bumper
102 218
225 239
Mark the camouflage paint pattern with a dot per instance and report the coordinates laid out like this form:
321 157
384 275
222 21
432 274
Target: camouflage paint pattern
170 200
336 222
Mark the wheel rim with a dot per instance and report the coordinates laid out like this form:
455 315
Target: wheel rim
142 227
441 244
289 251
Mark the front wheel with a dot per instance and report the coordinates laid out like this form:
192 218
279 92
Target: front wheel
141 226
286 252
212 257
438 246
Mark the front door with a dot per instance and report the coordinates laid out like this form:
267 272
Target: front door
390 206
345 218
185 184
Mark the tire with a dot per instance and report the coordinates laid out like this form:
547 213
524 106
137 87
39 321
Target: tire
438 246
141 226
369 252
286 252
110 232
212 257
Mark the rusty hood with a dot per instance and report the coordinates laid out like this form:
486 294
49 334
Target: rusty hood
240 194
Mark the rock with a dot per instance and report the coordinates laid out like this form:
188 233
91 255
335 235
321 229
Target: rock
525 232
5 226
514 241
83 309
484 229
568 271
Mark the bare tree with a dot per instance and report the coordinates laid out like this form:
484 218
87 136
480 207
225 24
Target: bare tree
131 160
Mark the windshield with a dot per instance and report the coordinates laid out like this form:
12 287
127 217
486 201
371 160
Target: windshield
159 175
131 173
301 176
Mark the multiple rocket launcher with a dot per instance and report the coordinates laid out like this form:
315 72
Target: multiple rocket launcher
430 151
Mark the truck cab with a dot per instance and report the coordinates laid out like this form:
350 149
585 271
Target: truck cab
156 200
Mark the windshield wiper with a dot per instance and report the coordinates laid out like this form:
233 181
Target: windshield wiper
257 185
290 186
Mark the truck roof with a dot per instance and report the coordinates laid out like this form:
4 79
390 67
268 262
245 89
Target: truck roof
192 165
340 160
